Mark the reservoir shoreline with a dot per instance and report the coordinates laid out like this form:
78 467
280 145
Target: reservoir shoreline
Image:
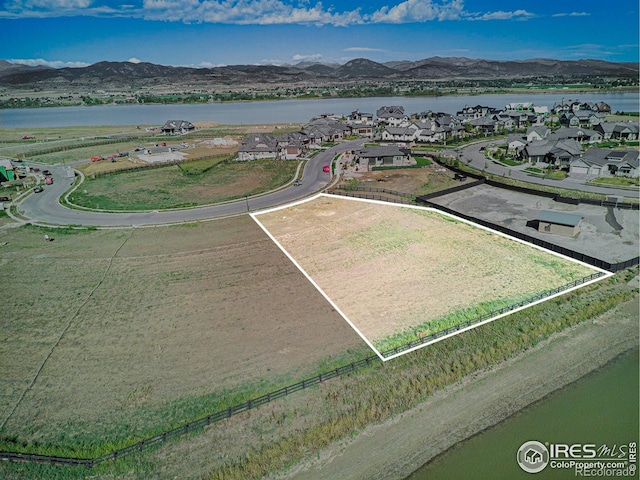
400 446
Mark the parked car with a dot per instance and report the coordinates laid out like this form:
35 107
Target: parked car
4 199
44 172
38 190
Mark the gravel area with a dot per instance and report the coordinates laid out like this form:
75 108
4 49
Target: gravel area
605 233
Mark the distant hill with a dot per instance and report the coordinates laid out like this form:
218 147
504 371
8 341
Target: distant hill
141 74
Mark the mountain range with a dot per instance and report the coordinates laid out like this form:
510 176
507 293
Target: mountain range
434 68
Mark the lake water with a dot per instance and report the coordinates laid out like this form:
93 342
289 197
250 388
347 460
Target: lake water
281 111
601 408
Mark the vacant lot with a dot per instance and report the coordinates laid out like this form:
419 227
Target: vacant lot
170 187
150 327
398 272
412 181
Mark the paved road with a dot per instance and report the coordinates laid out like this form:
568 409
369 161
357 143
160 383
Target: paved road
45 208
478 161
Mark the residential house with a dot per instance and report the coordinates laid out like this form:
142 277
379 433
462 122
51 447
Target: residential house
325 130
515 142
470 113
393 115
358 118
484 125
582 135
258 146
564 151
429 132
399 134
581 118
627 131
176 127
537 132
292 145
602 162
552 151
383 155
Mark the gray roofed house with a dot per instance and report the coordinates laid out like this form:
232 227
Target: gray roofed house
177 126
399 134
582 135
326 131
516 142
383 155
602 162
485 125
537 132
393 115
258 146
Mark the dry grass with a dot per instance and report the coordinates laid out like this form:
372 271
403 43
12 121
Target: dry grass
186 318
392 269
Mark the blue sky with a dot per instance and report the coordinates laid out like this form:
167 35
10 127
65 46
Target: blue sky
225 32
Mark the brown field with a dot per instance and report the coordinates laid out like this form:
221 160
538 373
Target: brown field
164 324
412 181
396 270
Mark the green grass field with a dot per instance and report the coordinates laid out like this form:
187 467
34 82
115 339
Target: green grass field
170 187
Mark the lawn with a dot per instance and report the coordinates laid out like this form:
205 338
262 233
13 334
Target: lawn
170 187
151 327
617 181
398 273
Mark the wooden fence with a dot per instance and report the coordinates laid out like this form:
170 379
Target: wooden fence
196 425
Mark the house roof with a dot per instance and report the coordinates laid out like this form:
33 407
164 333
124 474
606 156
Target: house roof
382 151
400 131
559 218
178 125
259 142
603 156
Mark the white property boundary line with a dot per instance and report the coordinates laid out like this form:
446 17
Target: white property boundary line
605 273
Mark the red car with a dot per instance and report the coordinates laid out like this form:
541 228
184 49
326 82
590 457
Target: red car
326 169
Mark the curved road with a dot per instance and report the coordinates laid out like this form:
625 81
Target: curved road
478 161
45 208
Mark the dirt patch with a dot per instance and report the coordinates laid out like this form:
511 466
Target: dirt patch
396 270
412 181
184 317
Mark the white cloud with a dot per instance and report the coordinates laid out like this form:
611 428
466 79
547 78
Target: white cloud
411 11
572 14
257 12
502 15
364 49
134 60
309 58
34 62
